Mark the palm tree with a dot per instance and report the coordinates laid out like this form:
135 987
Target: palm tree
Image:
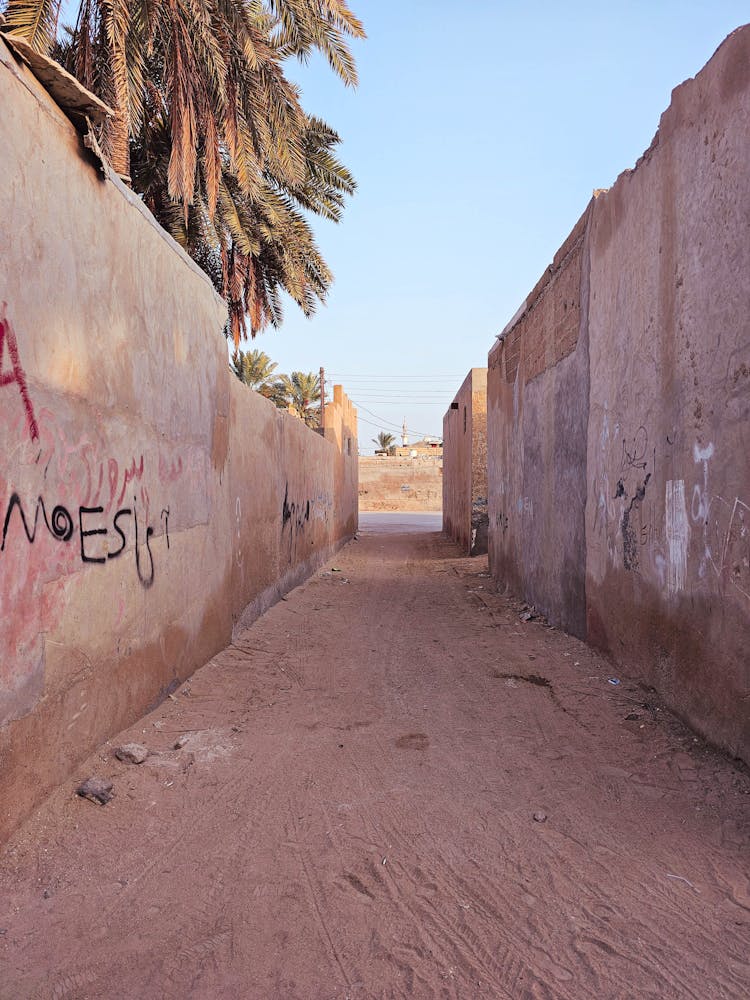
254 368
302 392
213 133
384 441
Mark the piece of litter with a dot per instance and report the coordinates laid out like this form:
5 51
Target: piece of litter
172 697
613 680
679 878
335 569
540 817
384 861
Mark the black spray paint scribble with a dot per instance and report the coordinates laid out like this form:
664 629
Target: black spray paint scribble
295 516
298 514
629 537
634 451
62 526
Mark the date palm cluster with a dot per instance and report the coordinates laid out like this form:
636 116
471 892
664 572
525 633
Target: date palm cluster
299 391
211 132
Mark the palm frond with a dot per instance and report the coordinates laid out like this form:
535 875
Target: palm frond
34 20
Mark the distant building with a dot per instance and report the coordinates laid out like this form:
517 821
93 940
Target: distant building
432 447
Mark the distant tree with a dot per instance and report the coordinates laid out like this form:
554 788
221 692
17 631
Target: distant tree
254 368
385 441
302 392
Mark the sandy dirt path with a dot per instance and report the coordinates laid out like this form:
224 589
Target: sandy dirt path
352 815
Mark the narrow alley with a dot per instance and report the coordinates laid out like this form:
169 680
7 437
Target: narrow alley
391 785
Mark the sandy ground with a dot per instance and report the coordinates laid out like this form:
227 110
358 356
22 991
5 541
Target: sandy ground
352 815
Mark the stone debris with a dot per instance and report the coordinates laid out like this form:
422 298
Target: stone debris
182 741
98 790
132 753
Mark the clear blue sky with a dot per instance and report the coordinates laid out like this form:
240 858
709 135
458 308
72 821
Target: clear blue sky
477 136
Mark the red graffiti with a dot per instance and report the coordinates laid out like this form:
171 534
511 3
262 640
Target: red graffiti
114 477
168 473
134 472
16 372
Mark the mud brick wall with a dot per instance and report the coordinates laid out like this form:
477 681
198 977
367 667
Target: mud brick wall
401 484
668 511
465 511
149 502
537 401
618 462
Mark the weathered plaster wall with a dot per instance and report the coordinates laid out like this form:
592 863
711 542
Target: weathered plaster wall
387 483
668 514
341 429
465 464
618 467
146 497
537 399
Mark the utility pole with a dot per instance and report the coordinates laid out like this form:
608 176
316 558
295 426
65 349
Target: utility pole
322 397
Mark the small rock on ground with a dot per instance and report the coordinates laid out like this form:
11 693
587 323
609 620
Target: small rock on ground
132 753
98 790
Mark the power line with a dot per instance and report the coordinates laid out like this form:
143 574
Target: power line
406 397
390 422
379 426
406 401
436 397
441 378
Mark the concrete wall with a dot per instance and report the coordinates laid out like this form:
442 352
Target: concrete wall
619 471
387 483
465 510
146 496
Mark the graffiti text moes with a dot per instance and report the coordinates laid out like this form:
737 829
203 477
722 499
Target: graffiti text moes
95 531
